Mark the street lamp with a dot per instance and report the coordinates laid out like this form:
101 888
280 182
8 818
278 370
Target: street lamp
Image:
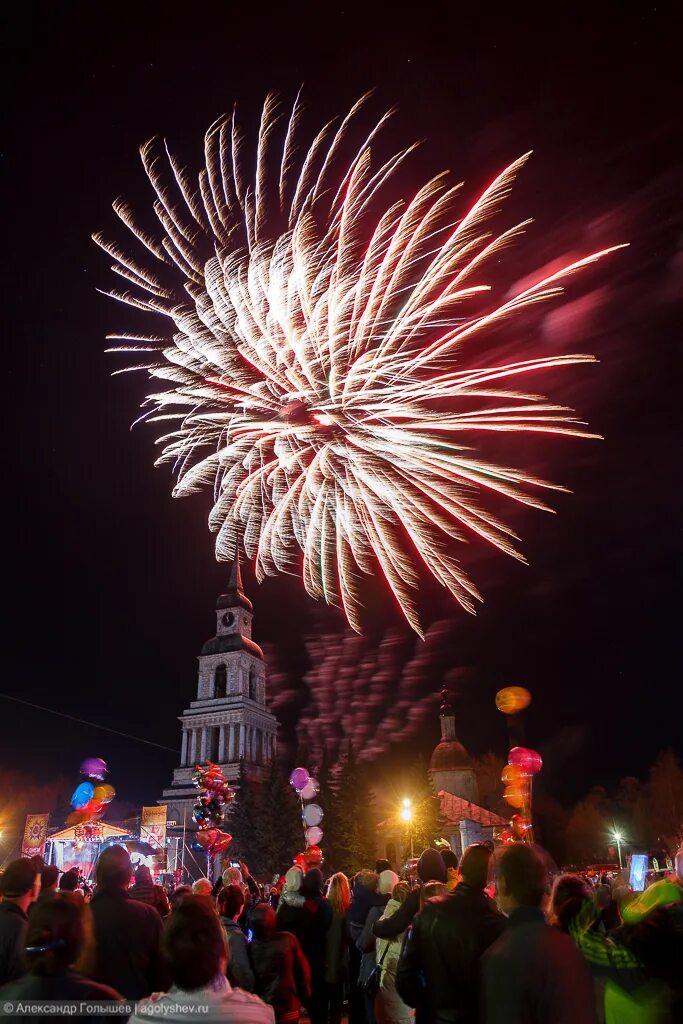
407 816
617 836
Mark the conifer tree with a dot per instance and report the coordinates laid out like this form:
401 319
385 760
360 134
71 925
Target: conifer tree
355 838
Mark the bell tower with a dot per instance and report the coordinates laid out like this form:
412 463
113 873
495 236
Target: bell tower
229 720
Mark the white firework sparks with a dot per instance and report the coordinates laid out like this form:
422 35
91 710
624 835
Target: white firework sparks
322 370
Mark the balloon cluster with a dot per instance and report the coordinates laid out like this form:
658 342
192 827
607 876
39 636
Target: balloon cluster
518 773
90 797
311 816
209 810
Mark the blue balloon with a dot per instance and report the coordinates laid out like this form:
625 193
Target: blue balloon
82 794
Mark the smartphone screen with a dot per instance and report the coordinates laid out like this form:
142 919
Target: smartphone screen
638 871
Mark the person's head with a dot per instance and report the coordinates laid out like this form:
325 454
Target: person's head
113 870
386 882
143 875
293 880
193 944
69 881
312 883
367 879
230 902
400 893
382 865
474 866
263 922
339 892
430 867
202 887
450 861
521 878
56 935
49 877
232 876
567 898
21 882
179 892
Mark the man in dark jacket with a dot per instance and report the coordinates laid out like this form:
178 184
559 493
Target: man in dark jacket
20 888
533 973
430 868
364 896
49 877
127 933
438 969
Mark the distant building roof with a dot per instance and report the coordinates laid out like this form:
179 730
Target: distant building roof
228 642
449 755
454 809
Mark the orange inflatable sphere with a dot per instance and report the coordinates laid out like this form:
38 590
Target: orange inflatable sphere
512 700
514 796
512 775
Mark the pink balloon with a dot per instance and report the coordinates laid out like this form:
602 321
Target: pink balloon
299 778
310 790
529 761
313 836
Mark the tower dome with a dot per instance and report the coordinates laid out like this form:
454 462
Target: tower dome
450 768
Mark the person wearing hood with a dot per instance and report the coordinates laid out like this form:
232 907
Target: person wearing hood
282 974
438 971
430 868
389 1007
145 891
364 897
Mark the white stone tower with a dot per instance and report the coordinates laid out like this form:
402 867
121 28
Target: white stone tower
451 769
228 721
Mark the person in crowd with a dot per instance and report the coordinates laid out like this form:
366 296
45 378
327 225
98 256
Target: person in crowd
389 1007
452 874
230 904
69 883
575 911
291 902
20 888
366 940
196 957
55 940
202 887
282 972
532 972
610 918
432 890
49 877
382 865
364 897
177 895
145 891
127 932
430 868
336 948
438 972
310 924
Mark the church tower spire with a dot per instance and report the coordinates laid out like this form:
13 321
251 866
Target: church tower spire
229 721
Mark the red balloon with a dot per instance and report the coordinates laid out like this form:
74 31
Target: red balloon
313 856
529 761
300 861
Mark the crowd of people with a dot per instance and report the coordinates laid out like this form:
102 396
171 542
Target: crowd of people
489 940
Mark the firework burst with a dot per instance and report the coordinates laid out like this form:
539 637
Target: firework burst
322 372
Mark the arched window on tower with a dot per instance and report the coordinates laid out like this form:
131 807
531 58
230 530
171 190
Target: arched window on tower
220 681
253 682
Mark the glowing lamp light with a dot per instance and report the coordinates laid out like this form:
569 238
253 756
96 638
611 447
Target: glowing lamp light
407 801
406 813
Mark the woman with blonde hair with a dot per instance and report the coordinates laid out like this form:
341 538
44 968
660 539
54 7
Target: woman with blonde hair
337 947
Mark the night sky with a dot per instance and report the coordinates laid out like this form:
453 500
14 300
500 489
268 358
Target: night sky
110 584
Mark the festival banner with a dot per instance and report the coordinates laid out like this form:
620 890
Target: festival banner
153 826
35 834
